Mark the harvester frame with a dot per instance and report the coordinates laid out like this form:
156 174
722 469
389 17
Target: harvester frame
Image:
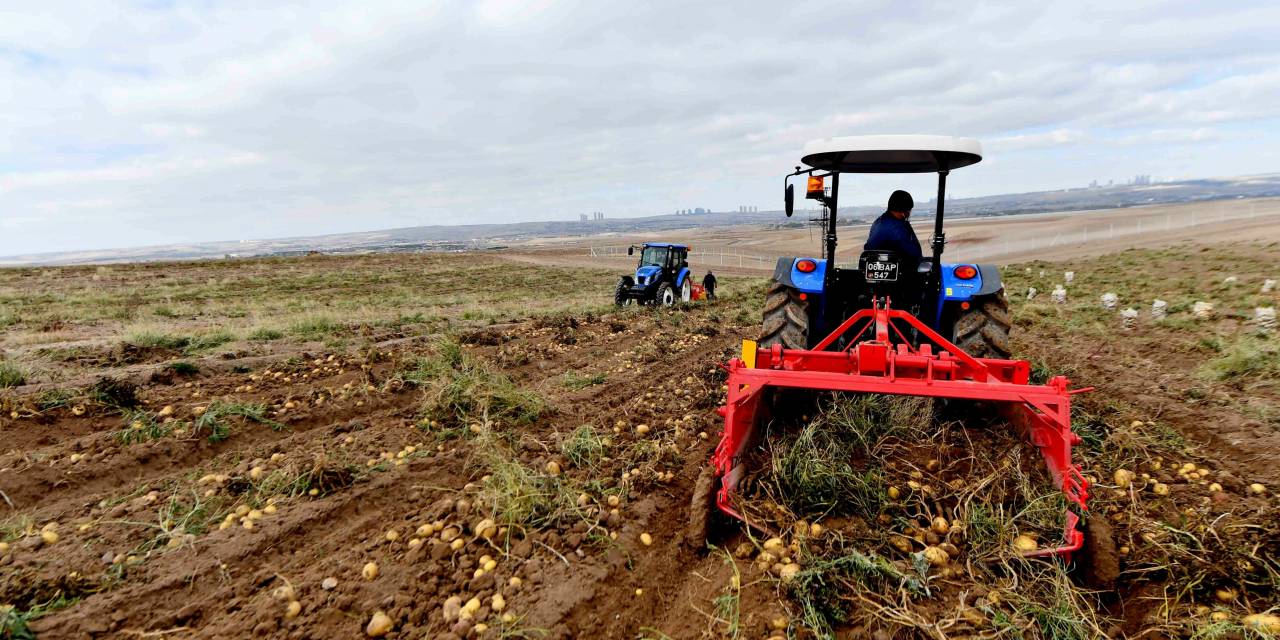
875 348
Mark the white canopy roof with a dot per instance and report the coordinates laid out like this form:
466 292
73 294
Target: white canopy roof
892 154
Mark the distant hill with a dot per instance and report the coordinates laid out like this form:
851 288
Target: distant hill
490 236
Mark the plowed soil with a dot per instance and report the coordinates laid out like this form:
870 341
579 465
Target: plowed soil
135 522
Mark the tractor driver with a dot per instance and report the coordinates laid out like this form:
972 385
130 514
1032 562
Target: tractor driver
892 232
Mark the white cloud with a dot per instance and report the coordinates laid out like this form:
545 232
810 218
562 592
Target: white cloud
234 119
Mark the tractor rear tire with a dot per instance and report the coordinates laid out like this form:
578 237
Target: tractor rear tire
702 508
786 318
983 330
666 295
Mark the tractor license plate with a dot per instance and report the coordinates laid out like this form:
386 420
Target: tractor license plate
881 271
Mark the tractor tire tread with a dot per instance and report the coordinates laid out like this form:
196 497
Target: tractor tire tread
983 330
786 318
701 509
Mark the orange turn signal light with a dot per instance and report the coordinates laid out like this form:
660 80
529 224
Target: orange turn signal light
965 272
817 186
806 266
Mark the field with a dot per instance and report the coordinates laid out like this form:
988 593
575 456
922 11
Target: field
476 445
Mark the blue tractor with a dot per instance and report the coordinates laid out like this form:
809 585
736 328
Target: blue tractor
810 297
662 276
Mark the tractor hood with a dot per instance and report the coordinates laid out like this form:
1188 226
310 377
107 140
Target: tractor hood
645 272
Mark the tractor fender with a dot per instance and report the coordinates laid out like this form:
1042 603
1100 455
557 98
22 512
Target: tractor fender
785 273
684 273
991 283
985 283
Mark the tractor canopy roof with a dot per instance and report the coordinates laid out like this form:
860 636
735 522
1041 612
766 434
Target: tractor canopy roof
892 154
666 244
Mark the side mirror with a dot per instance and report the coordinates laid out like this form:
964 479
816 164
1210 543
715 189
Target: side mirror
631 251
790 199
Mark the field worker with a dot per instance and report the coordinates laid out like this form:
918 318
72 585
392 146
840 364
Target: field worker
892 232
709 284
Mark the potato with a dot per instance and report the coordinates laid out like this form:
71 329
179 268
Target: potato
940 526
646 539
1160 489
292 609
452 609
1264 622
370 571
788 572
1225 595
490 565
893 493
553 468
49 536
1123 478
284 593
486 528
1025 543
774 545
392 535
614 501
936 556
379 625
901 543
498 603
1257 489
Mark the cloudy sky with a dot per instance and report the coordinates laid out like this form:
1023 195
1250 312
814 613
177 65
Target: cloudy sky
133 123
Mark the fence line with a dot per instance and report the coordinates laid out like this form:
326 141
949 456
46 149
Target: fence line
1101 231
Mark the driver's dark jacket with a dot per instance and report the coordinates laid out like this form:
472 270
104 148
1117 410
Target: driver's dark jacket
891 234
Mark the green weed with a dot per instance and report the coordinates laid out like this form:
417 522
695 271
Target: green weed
214 420
1250 357
142 426
147 339
584 447
265 334
11 375
317 327
459 388
577 381
823 586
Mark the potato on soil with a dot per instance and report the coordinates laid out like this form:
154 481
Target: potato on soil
379 625
370 571
1025 544
936 556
